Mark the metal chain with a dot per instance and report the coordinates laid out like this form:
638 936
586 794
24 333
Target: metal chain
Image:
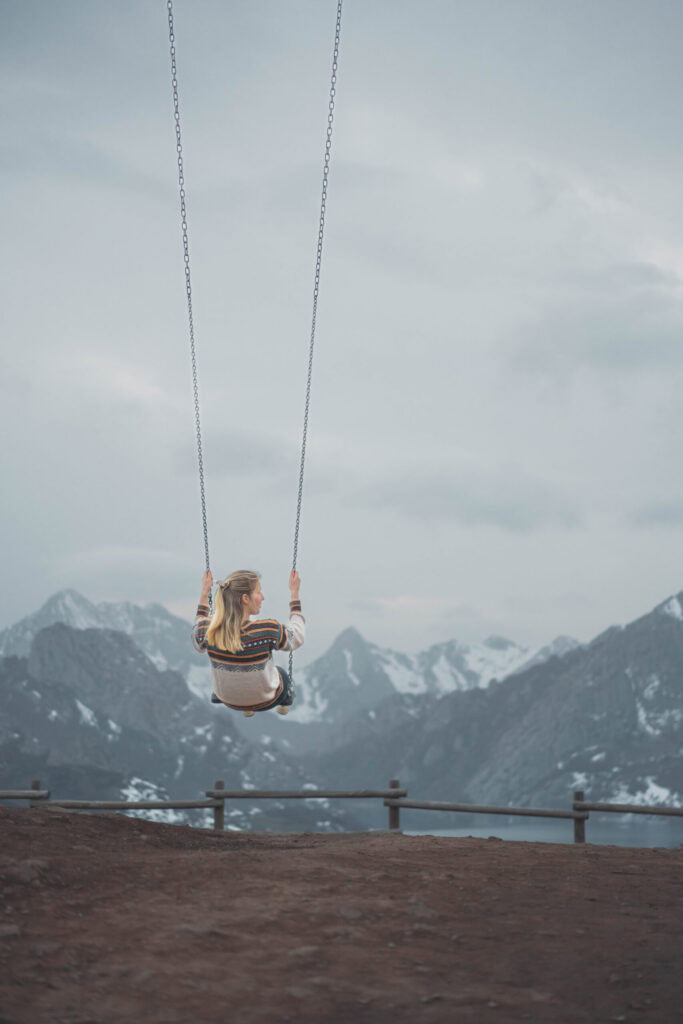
188 282
316 284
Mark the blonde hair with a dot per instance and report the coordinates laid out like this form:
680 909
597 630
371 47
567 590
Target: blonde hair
224 628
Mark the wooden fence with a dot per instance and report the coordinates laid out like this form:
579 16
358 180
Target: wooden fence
579 811
216 798
394 798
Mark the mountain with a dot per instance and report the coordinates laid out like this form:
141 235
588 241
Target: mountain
88 702
356 672
163 637
87 709
606 718
353 674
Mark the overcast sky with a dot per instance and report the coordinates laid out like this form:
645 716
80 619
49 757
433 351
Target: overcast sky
496 423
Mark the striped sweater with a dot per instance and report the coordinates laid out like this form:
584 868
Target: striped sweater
249 678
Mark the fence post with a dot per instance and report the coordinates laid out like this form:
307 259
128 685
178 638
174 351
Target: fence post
34 785
394 812
579 823
219 811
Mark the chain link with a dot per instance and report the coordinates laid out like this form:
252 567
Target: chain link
316 283
188 281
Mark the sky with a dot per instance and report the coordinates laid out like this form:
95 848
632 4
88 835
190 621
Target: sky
495 426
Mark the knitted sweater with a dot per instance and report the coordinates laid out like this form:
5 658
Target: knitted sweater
249 678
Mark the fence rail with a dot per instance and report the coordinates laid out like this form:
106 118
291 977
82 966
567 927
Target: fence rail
394 798
220 793
579 812
131 805
584 805
578 816
216 798
24 794
303 794
437 805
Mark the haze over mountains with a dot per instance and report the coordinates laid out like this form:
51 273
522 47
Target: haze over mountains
111 698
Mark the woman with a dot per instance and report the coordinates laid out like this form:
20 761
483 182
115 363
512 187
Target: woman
245 676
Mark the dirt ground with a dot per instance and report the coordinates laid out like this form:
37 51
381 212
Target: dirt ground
105 918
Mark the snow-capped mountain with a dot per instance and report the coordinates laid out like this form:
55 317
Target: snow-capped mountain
352 673
355 672
163 637
606 717
67 606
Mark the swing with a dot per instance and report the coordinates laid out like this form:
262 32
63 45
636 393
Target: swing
188 282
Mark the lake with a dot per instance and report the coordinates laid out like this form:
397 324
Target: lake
602 829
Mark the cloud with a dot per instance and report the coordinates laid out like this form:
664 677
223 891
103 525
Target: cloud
260 468
109 376
237 453
624 318
504 498
666 513
62 158
553 190
122 569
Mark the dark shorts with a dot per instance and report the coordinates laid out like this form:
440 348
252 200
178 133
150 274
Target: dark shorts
286 698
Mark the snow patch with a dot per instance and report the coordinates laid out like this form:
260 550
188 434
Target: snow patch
446 675
673 608
200 681
158 660
143 789
652 686
349 669
497 660
404 678
309 705
318 802
87 716
114 731
652 794
654 723
75 611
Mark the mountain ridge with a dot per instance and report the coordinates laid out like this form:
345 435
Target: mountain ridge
326 686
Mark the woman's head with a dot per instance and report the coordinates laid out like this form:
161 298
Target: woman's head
237 597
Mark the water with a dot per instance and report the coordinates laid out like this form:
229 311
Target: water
601 829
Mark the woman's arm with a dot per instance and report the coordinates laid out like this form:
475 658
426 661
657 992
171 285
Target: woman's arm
202 619
293 634
207 583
